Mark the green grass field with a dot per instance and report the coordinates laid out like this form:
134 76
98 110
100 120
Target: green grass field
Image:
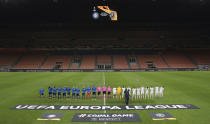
180 88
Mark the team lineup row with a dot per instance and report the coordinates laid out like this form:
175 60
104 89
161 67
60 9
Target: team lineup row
135 93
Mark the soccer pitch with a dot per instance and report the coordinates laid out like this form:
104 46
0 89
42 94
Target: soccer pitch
180 88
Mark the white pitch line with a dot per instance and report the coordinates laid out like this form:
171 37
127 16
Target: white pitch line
104 78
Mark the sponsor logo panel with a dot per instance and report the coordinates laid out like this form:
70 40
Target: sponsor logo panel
161 116
106 117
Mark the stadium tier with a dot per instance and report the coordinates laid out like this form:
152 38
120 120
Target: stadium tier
9 56
58 61
8 59
120 62
177 60
88 62
53 60
31 60
200 57
133 62
104 59
154 61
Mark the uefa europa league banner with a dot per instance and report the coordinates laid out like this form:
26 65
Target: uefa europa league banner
98 107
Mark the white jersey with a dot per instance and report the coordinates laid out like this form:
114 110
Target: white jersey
114 90
161 89
142 90
151 90
138 91
146 90
156 89
129 90
134 90
123 90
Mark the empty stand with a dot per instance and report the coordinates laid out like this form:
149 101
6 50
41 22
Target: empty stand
104 59
155 59
88 62
62 61
133 62
177 60
42 60
30 62
9 56
200 57
120 62
75 63
8 59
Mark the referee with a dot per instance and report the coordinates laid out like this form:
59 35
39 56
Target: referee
127 95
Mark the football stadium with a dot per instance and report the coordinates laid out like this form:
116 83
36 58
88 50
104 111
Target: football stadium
104 61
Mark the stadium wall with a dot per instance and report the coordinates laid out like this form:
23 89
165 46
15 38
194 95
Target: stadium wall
99 70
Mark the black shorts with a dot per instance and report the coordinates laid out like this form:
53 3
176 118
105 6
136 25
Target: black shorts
104 92
54 94
77 94
94 93
50 93
41 93
109 93
83 94
73 94
99 93
64 94
59 94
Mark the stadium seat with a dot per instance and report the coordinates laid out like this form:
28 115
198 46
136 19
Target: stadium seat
200 57
120 62
51 61
30 62
8 59
9 56
156 59
103 59
88 62
177 60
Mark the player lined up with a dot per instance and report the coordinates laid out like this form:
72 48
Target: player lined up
139 93
118 93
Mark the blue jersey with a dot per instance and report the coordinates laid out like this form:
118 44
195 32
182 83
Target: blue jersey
73 90
59 90
83 90
41 91
54 90
68 90
78 90
64 90
88 89
50 89
94 89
